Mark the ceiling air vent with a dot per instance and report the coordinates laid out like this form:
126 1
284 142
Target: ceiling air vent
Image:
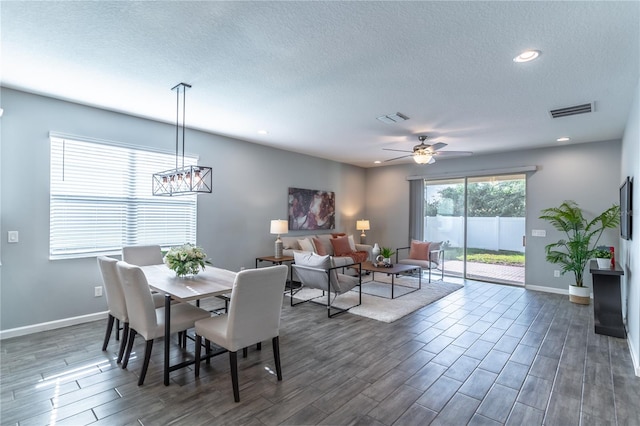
393 118
572 110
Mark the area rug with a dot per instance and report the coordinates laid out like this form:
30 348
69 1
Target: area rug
383 309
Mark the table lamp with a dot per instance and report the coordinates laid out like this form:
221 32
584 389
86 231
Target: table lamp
362 225
278 227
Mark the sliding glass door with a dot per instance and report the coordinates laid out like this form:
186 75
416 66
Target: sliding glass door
482 222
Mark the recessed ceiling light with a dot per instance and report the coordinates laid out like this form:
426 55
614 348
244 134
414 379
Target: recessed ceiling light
563 139
262 132
377 162
527 55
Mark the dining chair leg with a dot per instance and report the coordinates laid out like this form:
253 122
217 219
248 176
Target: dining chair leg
207 345
196 367
259 346
233 361
117 329
275 342
123 343
245 351
145 364
127 354
107 334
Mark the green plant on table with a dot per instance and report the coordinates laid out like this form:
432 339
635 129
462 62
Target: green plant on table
386 252
186 259
582 236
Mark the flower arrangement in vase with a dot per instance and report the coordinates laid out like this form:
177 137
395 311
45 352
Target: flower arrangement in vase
186 259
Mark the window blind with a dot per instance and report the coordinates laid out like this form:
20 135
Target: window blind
101 200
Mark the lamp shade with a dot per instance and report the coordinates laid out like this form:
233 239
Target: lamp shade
362 225
279 226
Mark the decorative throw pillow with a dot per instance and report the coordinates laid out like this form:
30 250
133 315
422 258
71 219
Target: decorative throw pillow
306 245
419 250
352 243
319 246
341 246
338 234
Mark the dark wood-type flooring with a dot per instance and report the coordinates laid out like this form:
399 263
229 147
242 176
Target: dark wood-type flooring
487 354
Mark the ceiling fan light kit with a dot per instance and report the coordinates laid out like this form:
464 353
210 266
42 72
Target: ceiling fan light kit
422 158
424 153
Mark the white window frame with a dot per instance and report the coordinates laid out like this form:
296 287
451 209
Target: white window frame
101 199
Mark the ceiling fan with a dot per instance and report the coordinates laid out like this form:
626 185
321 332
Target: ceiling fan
424 153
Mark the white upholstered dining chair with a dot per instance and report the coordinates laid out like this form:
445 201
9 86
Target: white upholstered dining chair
254 316
116 303
147 320
142 255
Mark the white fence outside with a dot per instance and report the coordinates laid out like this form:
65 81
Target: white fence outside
490 233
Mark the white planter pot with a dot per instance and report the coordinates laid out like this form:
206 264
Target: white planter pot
603 263
580 295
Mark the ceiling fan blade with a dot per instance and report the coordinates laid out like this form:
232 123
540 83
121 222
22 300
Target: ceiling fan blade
397 158
398 150
453 153
437 146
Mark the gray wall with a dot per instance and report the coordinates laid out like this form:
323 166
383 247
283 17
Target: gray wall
629 255
250 189
586 173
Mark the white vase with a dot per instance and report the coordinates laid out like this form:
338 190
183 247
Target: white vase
375 251
603 263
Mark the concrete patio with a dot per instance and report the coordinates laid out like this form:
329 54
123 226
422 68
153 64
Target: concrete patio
486 271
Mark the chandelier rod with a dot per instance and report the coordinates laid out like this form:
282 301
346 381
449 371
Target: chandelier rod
177 87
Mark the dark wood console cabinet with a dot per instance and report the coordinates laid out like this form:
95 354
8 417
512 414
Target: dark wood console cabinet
607 300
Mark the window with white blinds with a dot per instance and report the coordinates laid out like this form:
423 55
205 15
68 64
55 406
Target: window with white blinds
101 200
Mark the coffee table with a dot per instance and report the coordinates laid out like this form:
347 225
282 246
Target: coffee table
393 270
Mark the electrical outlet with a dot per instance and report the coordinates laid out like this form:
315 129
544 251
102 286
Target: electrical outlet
97 291
12 237
556 273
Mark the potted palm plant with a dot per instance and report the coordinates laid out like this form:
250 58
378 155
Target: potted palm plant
580 242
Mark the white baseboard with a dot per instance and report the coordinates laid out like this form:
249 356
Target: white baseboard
634 357
51 325
547 289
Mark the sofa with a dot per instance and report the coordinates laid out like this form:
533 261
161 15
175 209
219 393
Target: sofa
320 244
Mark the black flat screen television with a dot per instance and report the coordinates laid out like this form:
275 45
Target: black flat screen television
626 208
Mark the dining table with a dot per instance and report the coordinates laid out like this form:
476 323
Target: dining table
209 282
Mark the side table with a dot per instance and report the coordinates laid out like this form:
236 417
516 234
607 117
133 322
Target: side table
607 300
277 261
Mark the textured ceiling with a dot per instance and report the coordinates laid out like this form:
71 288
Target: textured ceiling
317 74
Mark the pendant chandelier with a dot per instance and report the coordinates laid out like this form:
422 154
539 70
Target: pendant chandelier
183 180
